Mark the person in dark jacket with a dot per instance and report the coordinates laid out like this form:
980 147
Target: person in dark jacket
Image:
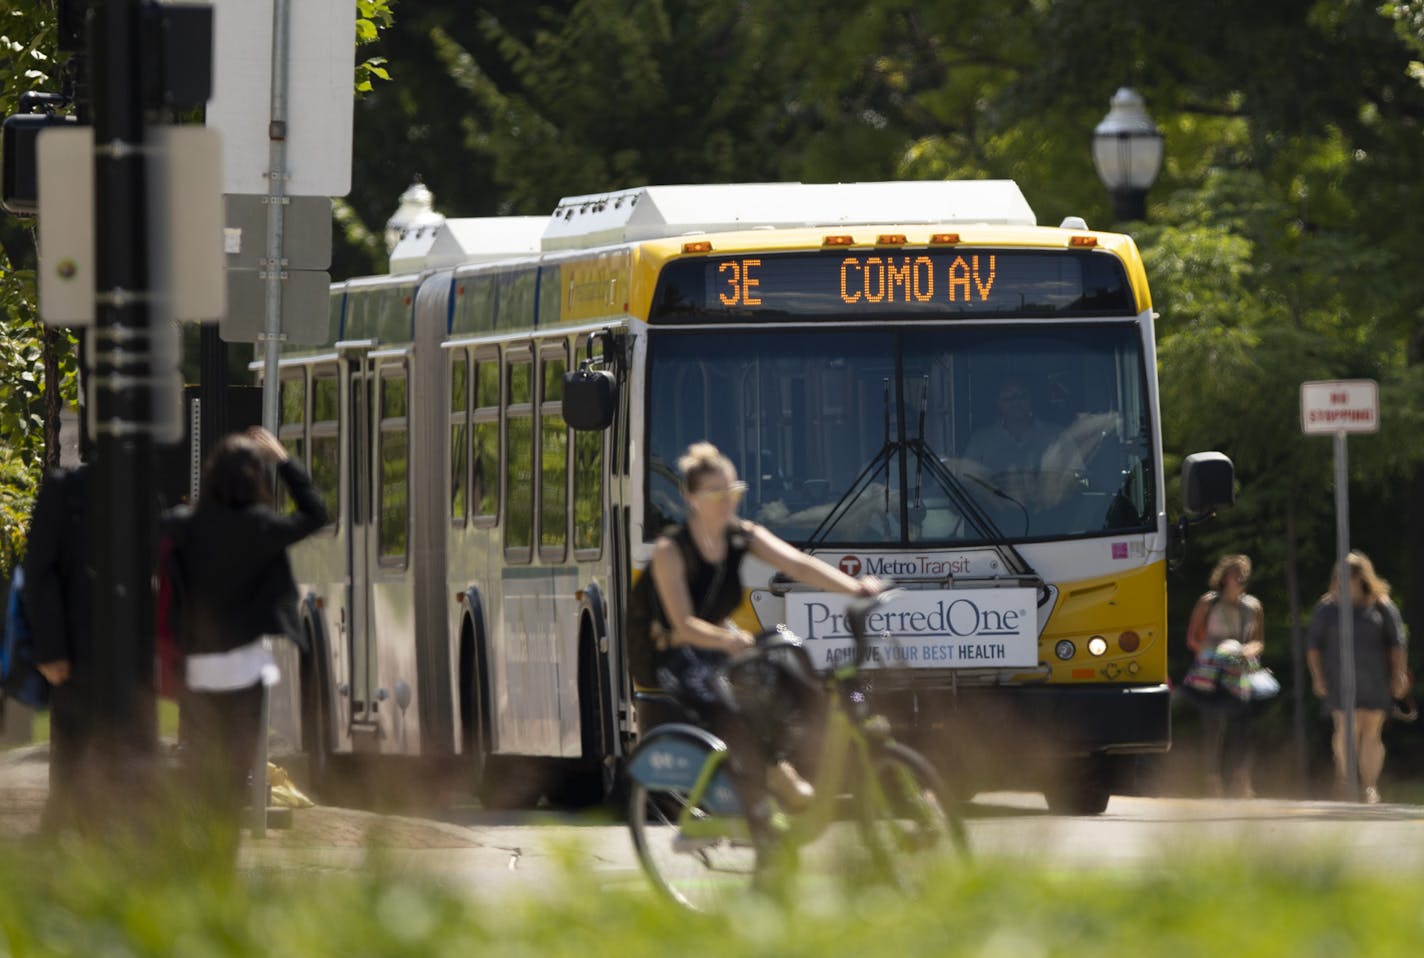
235 595
59 586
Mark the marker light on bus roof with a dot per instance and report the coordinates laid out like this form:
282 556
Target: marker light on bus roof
840 240
890 239
1129 641
944 239
1097 645
1065 649
1082 241
697 246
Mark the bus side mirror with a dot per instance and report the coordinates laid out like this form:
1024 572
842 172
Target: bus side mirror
1208 483
590 399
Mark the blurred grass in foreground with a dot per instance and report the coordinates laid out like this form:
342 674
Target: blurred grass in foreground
76 900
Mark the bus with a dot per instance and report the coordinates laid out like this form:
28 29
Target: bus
862 352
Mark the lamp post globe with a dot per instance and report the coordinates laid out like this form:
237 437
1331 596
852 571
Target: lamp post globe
416 209
1127 151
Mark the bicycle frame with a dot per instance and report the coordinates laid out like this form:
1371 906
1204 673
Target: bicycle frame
688 823
846 746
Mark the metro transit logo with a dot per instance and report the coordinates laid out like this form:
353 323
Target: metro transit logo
899 566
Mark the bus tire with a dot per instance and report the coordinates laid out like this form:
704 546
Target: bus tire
317 733
589 781
1083 787
474 711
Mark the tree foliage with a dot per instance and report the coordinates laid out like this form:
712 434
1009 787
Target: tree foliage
38 368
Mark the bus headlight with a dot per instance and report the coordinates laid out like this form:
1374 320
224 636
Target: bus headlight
1097 645
1065 649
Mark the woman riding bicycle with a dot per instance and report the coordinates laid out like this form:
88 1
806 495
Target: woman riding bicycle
696 570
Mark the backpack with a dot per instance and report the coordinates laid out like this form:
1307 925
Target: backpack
20 678
640 646
645 619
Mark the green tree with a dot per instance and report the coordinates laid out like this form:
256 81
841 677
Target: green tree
38 368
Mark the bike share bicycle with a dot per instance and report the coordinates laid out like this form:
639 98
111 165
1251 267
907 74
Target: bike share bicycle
687 822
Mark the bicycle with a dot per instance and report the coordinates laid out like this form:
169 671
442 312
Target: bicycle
686 819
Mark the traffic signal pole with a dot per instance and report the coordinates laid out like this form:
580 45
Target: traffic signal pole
121 506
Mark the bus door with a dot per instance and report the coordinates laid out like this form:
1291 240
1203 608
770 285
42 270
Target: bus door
361 550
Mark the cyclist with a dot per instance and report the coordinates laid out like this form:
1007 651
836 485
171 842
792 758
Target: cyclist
696 570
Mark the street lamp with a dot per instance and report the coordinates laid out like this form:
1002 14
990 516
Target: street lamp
1127 150
417 208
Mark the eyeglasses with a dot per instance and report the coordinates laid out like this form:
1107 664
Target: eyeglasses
734 492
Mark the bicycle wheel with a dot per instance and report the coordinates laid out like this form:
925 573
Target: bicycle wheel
904 821
698 871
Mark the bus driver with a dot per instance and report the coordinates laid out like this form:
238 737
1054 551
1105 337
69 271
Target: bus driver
1025 457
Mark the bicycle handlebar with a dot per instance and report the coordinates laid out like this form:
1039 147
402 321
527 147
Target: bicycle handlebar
858 615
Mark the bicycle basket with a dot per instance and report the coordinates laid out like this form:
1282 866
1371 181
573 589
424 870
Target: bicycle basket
778 694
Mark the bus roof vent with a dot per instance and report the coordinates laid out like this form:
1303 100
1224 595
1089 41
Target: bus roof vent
473 240
655 212
1073 223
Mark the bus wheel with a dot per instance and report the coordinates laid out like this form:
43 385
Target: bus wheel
316 721
512 782
1082 787
589 781
474 724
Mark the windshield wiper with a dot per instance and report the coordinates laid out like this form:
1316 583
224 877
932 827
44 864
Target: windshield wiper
879 461
969 507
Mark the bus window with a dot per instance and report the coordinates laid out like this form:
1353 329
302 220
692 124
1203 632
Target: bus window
553 455
292 425
484 458
394 466
459 436
326 437
882 437
518 457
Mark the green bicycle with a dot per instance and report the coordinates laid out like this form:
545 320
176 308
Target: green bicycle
686 819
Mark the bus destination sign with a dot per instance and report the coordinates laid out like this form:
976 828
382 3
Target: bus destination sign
928 282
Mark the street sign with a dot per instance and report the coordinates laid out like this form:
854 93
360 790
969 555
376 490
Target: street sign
185 254
305 298
306 232
64 159
185 206
1335 406
322 44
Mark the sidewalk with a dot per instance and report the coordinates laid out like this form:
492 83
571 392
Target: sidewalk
24 785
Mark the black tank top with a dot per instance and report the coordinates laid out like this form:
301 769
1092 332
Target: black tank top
715 587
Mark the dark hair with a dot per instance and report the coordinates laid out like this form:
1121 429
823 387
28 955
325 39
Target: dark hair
235 474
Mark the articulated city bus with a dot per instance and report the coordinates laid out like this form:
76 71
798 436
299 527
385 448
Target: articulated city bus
915 380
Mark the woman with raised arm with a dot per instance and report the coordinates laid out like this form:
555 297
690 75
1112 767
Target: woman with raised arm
236 594
696 569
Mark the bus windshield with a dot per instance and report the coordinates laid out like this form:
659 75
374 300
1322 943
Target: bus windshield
911 437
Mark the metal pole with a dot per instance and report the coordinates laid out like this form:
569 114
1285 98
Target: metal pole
1346 608
121 507
259 764
272 337
276 209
